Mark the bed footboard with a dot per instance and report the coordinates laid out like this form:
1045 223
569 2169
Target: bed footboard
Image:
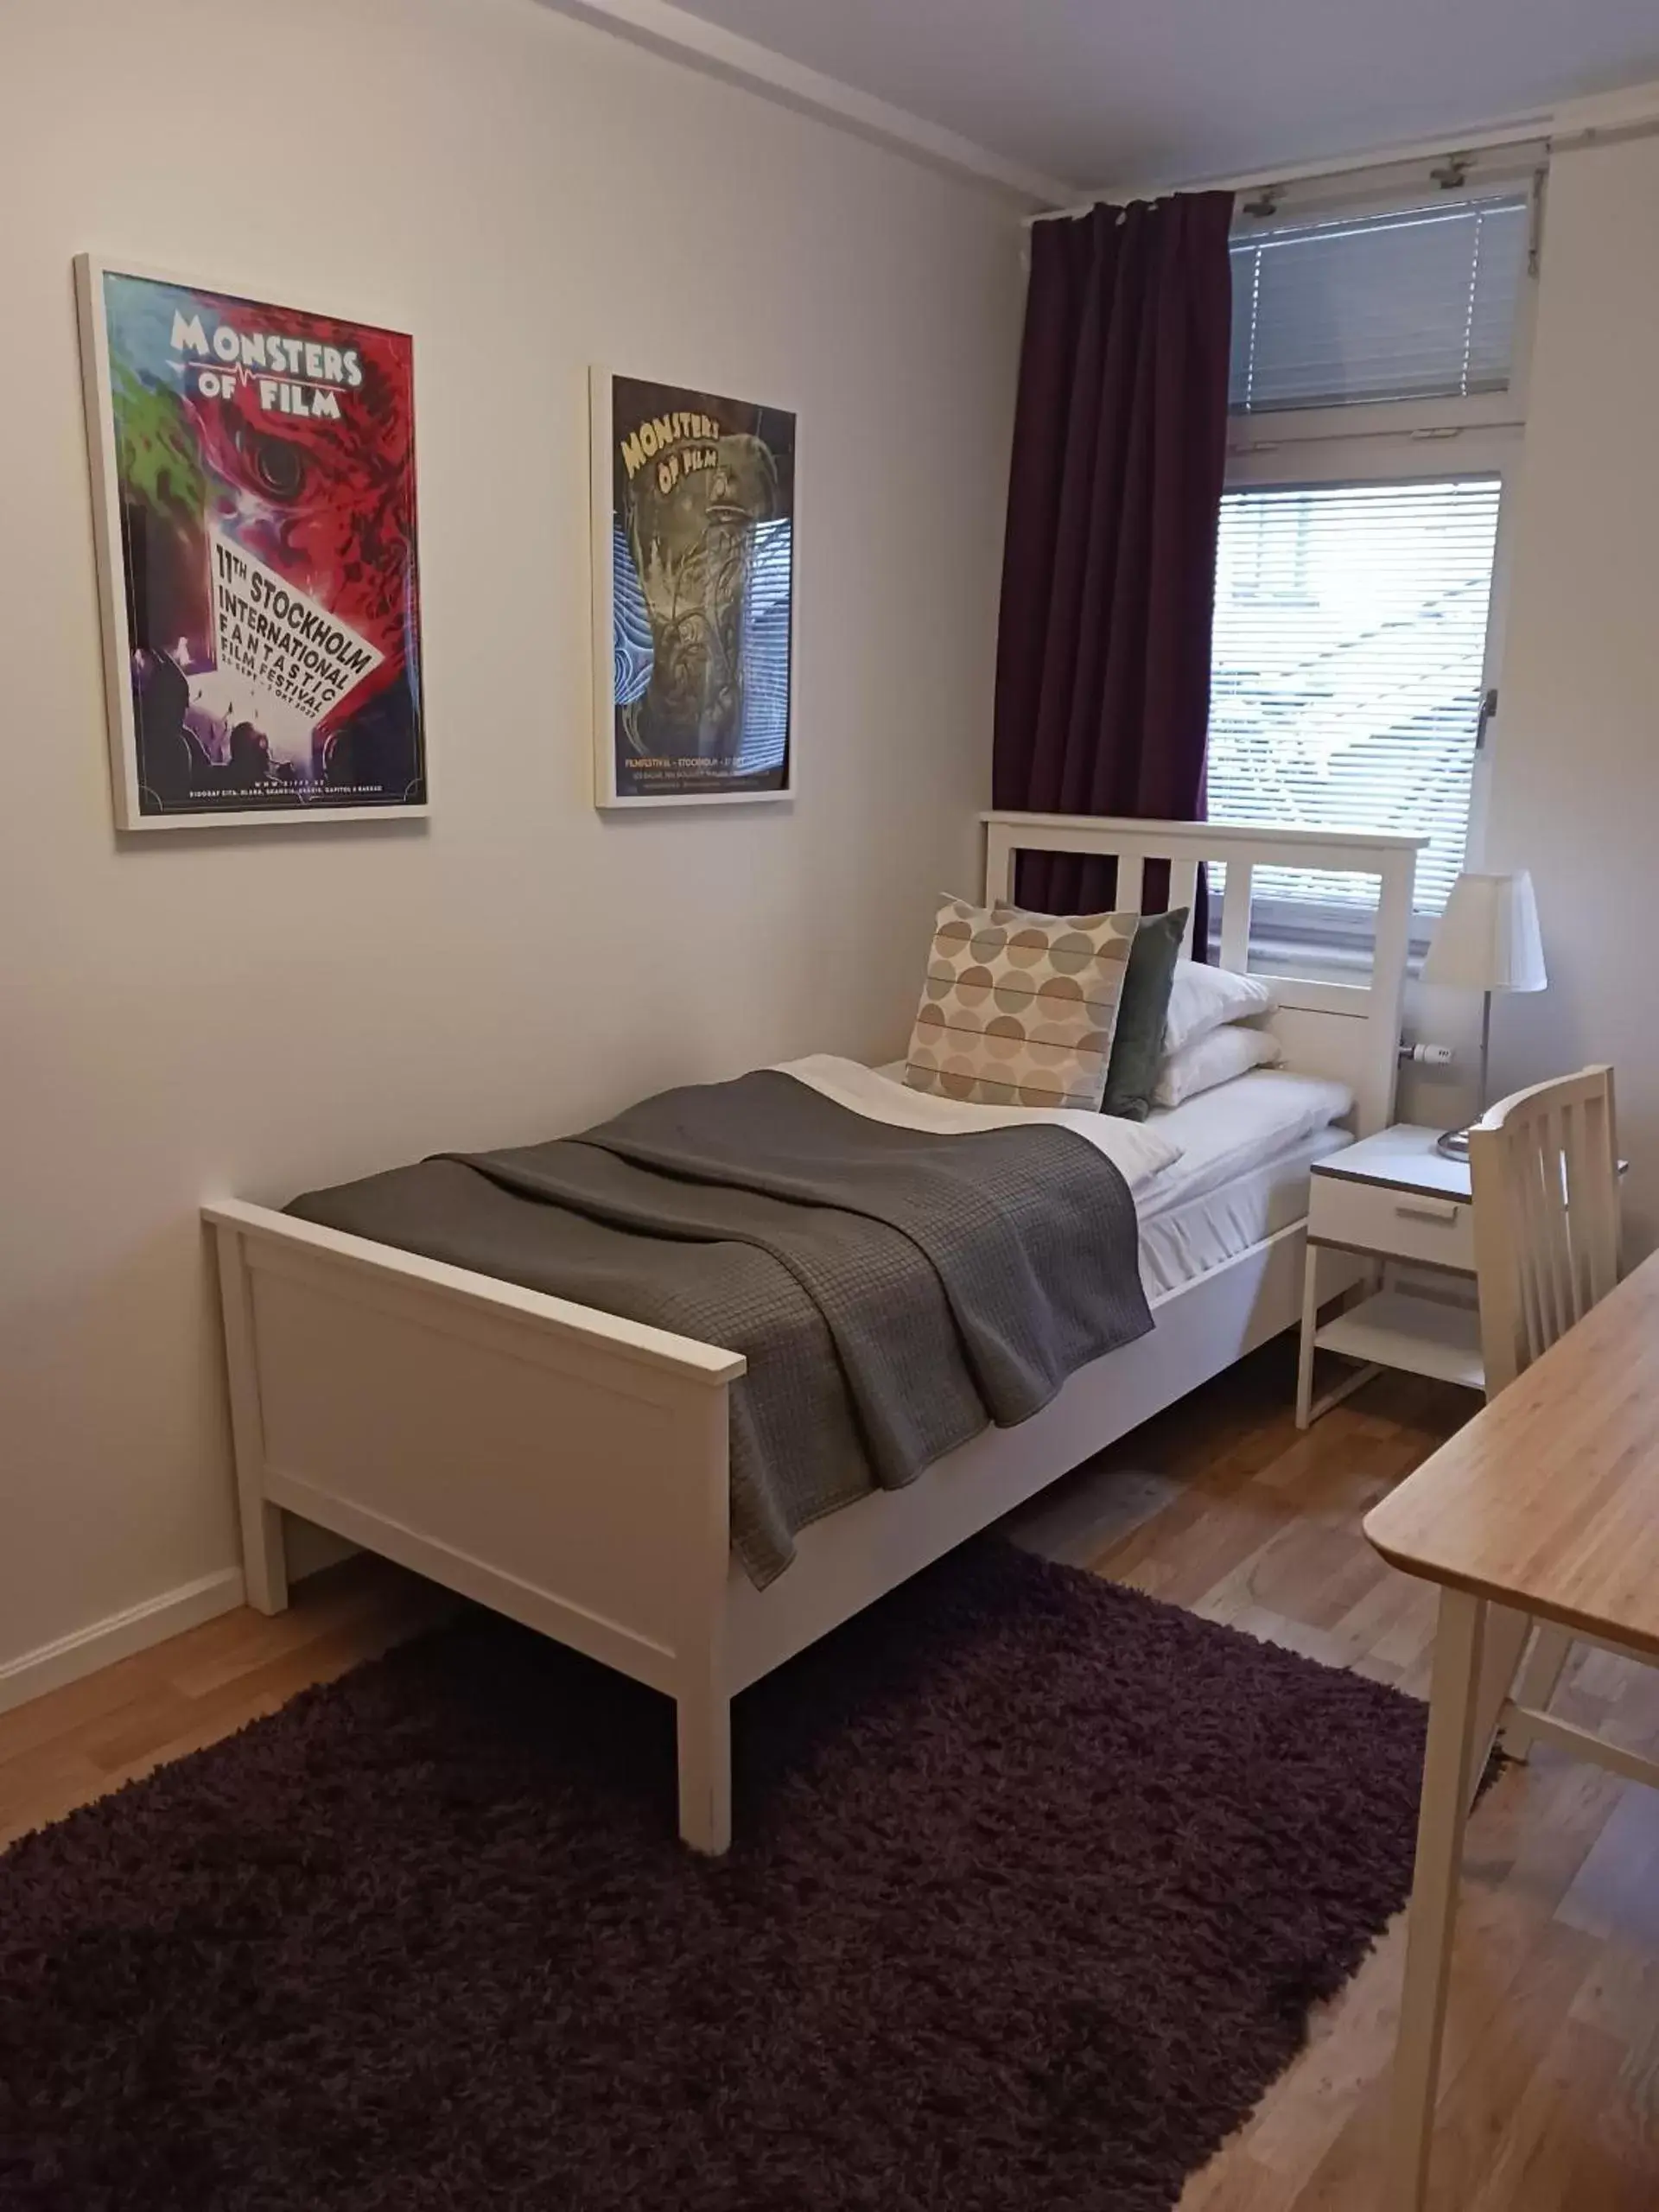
562 1466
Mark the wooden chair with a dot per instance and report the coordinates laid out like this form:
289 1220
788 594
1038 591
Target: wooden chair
1543 1170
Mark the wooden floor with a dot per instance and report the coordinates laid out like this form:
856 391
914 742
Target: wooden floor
1550 2092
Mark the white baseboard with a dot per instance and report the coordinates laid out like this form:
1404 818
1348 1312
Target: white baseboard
51 1665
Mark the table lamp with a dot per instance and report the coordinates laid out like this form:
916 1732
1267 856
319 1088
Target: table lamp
1487 940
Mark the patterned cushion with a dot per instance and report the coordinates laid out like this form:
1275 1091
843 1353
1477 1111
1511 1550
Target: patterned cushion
1019 1013
1138 1041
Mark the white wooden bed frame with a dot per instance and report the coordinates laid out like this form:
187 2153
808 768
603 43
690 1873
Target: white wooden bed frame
568 1468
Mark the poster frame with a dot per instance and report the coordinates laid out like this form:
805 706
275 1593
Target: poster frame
90 271
601 377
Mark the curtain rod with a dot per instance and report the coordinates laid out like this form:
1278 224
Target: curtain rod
1528 132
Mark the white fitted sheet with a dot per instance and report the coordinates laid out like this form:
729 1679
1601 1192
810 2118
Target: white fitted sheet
1247 1149
1238 1125
1181 1242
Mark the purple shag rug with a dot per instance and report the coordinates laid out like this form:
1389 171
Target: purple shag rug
1035 1882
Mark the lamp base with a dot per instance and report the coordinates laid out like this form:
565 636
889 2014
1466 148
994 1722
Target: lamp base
1453 1144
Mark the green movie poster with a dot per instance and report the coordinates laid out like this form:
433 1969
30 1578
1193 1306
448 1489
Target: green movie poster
702 497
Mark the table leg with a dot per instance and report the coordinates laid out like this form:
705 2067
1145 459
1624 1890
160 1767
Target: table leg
1476 1647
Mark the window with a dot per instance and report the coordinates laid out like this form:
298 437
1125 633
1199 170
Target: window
1350 698
1416 304
1376 394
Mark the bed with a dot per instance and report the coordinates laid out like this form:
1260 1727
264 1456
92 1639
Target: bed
570 1468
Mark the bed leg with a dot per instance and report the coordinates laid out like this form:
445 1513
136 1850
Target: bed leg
704 1726
702 1686
264 1558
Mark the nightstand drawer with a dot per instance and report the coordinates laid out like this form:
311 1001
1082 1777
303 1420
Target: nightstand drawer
1402 1224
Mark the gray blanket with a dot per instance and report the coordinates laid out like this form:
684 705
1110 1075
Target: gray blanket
894 1292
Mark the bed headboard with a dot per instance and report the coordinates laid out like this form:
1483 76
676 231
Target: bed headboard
1347 1031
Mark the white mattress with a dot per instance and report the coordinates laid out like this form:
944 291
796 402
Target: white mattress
1180 1243
1247 1149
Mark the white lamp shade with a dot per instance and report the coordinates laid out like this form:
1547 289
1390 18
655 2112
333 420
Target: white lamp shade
1487 939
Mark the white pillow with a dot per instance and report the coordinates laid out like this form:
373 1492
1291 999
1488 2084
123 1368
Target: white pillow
1203 997
1217 1058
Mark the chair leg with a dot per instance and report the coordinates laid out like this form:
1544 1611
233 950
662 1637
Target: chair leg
1539 1678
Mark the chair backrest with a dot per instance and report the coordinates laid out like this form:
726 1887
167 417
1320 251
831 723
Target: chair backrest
1543 1169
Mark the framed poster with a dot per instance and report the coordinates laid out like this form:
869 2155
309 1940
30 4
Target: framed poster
694 599
253 491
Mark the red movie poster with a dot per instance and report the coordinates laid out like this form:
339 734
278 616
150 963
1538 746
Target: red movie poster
255 468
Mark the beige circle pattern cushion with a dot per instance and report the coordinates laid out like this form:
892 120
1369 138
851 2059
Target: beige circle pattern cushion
1019 1012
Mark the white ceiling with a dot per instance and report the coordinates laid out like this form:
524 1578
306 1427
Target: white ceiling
1100 92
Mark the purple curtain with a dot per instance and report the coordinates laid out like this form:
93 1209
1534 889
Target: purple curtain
1120 446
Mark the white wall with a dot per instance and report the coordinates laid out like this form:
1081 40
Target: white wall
1574 792
261 1011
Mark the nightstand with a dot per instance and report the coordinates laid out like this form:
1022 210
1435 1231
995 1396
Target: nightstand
1392 1198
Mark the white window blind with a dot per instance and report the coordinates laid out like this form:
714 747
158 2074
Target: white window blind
1349 668
1418 304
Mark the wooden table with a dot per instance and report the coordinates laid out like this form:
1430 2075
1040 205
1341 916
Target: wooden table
1546 1507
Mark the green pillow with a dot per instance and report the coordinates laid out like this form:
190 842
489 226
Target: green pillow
1142 1008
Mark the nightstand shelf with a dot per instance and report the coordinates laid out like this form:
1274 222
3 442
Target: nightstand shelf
1424 1336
